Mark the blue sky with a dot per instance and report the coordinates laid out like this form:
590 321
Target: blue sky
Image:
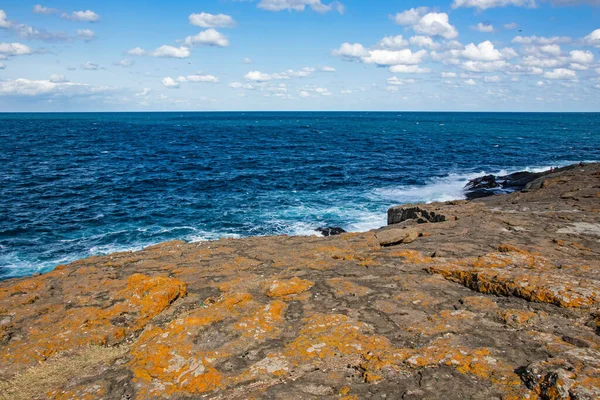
464 55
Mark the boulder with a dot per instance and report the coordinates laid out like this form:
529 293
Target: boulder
390 237
400 214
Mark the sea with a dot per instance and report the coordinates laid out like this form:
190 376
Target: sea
73 185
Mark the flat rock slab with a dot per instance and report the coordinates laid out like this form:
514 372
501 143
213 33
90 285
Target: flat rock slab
468 307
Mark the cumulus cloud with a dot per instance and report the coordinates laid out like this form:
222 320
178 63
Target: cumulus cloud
300 5
408 69
593 39
582 57
82 16
247 60
470 82
491 79
424 42
2 66
398 82
561 73
351 51
447 75
327 69
14 49
170 82
209 37
138 51
393 42
206 20
166 51
427 23
257 76
482 27
40 9
27 87
86 34
485 4
484 51
394 57
29 32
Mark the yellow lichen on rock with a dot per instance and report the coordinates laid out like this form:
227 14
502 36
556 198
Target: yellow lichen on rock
343 287
287 288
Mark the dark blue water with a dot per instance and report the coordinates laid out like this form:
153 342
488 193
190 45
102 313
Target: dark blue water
74 185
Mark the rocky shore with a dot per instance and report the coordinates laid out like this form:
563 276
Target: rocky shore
495 298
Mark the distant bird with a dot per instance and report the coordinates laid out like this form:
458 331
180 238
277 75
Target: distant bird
520 30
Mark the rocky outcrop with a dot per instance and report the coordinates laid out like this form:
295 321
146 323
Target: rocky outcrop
330 231
419 214
500 300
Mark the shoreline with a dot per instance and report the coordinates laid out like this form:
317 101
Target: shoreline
497 299
452 183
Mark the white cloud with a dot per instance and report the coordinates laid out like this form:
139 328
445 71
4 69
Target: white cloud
327 69
89 66
393 42
431 24
436 24
394 57
206 20
582 57
484 51
27 87
484 66
481 27
561 73
257 76
491 79
541 40
14 49
552 49
351 51
303 73
82 16
424 42
171 52
170 82
410 17
247 60
198 78
4 21
470 82
408 69
40 9
397 82
578 67
238 85
2 66
86 34
447 75
125 63
138 51
209 37
511 26
485 4
598 71
304 93
593 39
300 5
58 78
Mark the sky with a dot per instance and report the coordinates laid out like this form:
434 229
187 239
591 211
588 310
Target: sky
254 55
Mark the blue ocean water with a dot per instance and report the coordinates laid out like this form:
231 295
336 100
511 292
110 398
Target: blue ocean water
75 185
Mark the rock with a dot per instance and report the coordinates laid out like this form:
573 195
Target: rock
330 231
400 214
390 237
490 185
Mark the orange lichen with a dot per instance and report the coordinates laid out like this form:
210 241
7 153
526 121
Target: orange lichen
264 322
344 287
516 318
286 289
412 257
479 303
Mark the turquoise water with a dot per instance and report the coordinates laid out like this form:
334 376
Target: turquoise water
75 185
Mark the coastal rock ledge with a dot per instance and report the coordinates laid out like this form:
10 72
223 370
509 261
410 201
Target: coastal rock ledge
499 299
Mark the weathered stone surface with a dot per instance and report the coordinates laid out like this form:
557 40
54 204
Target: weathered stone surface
421 215
509 308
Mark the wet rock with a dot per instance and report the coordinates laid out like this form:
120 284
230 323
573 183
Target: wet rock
400 214
330 231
